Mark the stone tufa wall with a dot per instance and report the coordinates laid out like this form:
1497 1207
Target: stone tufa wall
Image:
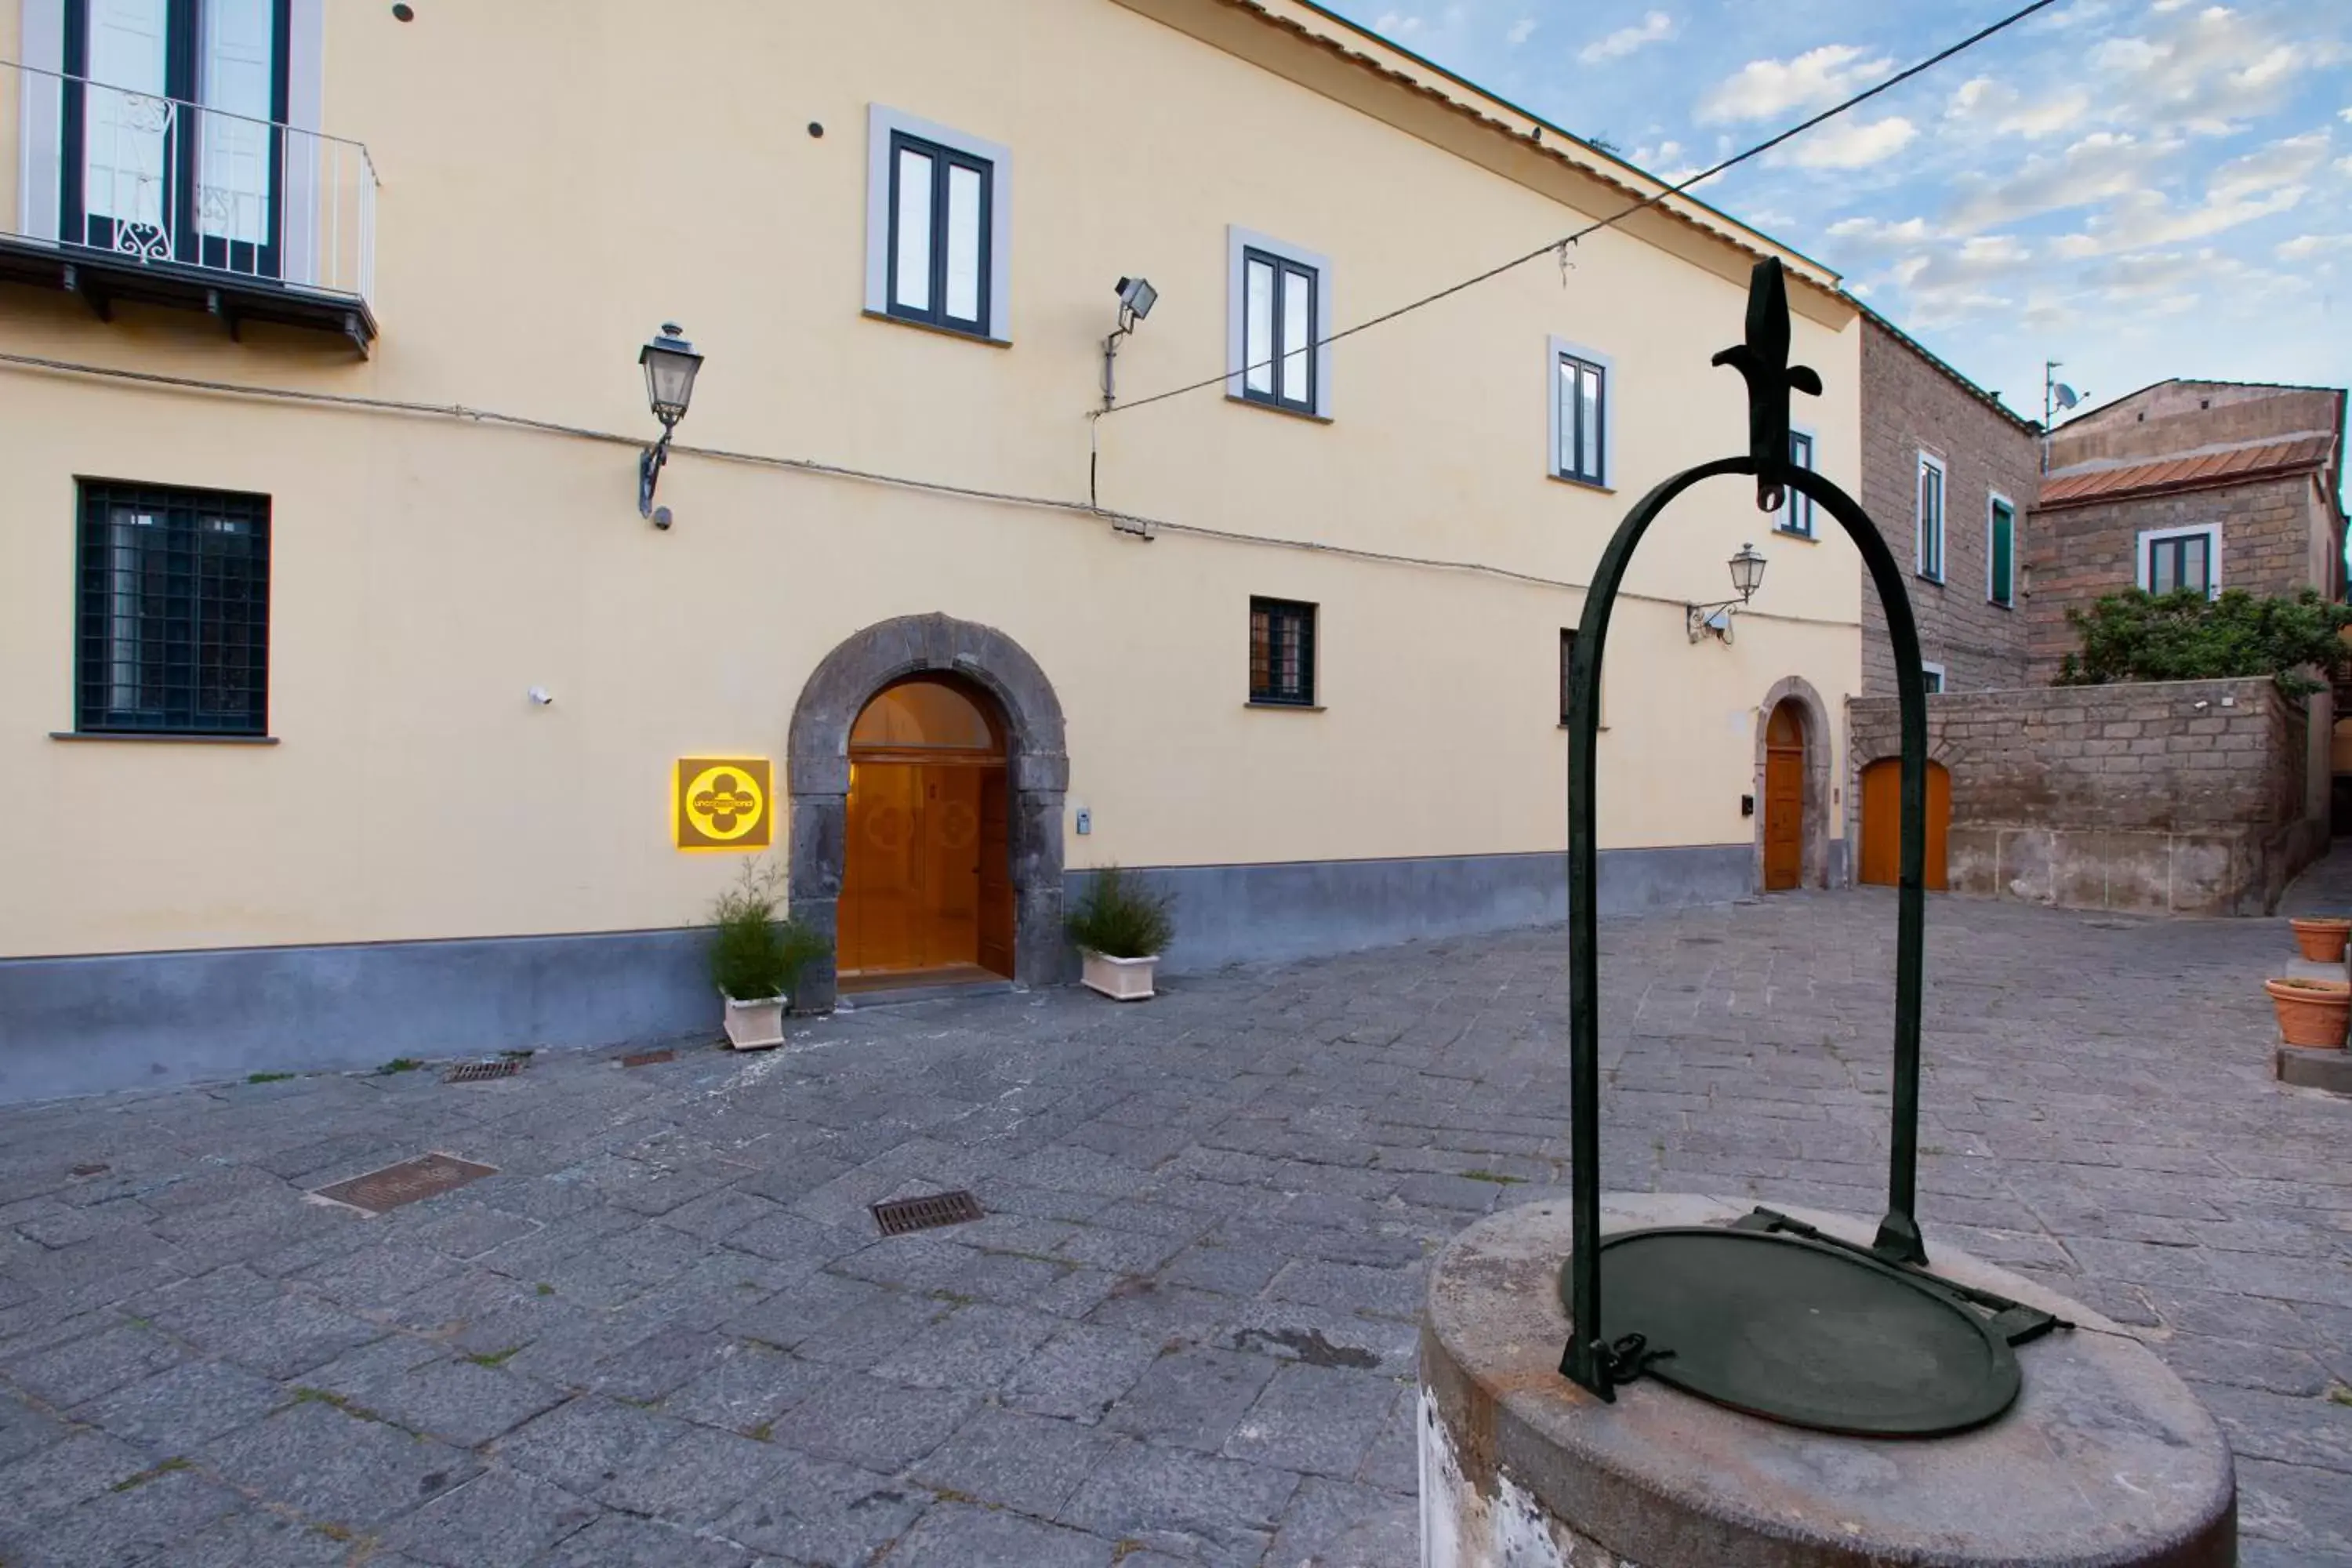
2275 534
1912 404
2173 797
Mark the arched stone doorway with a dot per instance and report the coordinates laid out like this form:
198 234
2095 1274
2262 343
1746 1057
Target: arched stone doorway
996 676
1792 788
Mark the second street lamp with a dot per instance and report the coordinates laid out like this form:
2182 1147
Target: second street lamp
670 363
1747 576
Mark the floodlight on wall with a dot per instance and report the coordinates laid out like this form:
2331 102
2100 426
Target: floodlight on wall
670 363
1136 298
1714 620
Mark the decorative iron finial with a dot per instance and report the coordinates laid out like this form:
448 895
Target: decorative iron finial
1763 359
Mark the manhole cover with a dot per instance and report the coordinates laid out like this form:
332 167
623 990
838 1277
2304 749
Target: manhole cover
900 1215
477 1072
648 1058
427 1175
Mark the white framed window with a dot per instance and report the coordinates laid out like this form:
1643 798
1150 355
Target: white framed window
1934 673
1277 324
1583 426
2001 550
2176 558
939 226
1929 560
1797 512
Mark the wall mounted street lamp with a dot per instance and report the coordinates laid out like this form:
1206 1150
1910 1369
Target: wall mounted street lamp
1714 620
1136 298
669 363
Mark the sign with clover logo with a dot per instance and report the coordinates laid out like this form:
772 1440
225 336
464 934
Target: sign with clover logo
721 803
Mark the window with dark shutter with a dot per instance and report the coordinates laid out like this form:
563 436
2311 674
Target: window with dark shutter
173 612
1282 653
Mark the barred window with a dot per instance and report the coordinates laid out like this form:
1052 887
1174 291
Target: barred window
1282 653
174 618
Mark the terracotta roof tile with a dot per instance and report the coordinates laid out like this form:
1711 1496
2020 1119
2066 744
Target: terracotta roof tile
2187 473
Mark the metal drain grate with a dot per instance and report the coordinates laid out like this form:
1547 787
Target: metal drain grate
900 1215
477 1072
427 1175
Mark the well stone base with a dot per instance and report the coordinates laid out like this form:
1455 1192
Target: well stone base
2105 1462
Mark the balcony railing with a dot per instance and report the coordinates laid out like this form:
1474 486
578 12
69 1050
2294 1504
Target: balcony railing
123 194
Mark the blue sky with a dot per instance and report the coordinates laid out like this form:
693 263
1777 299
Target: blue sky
2140 188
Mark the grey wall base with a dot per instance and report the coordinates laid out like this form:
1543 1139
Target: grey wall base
1306 909
93 1026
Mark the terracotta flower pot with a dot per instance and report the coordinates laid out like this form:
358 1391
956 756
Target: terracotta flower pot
2311 1013
2322 937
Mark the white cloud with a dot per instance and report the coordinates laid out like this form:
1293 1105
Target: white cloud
2283 163
1398 25
1655 27
2309 247
2204 70
1982 102
1521 31
2148 217
1669 160
1873 234
2099 167
1852 143
1763 89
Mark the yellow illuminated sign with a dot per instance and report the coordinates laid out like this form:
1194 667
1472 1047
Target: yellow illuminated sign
721 803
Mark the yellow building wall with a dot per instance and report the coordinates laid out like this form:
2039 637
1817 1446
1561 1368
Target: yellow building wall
543 206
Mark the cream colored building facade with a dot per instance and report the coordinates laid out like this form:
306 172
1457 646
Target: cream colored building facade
420 858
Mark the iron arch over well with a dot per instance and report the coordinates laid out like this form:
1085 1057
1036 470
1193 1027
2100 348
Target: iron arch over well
817 775
1814 715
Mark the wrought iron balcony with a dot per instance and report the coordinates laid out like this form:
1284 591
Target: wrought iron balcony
120 194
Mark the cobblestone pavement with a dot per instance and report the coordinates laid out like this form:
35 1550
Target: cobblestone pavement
665 1333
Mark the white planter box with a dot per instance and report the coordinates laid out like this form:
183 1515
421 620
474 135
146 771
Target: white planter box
1120 979
756 1025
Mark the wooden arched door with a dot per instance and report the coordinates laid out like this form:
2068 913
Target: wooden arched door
927 876
1882 819
1784 799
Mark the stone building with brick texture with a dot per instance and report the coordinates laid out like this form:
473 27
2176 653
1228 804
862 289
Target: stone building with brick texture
1949 475
2186 484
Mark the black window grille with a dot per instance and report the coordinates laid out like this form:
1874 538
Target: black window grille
1278 330
942 218
174 618
1584 417
1799 515
1282 653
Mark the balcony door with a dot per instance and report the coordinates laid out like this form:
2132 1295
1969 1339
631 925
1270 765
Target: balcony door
172 148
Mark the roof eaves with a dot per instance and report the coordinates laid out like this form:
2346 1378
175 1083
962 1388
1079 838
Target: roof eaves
1971 387
1596 164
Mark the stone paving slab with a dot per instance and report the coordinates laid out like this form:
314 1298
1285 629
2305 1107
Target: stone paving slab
666 1333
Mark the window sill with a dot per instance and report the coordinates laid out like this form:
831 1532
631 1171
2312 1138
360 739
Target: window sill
957 332
1559 478
1924 577
165 737
1802 536
1308 415
1285 707
2003 606
1602 728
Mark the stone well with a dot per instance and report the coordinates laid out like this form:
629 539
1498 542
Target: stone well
2106 1460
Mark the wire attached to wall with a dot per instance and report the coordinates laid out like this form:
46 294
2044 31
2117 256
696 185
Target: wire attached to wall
1562 244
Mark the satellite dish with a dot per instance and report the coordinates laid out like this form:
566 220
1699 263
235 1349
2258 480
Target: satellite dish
2064 396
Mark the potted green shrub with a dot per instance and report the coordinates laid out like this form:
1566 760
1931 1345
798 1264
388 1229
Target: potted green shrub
756 958
1121 926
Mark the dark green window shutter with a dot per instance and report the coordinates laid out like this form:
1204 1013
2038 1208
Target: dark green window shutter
2004 530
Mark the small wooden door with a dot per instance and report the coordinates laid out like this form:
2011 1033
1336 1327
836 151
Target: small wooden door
995 874
1784 801
1882 819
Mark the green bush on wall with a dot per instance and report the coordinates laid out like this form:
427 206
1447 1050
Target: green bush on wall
2185 635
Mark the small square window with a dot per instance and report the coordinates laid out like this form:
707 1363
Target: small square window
2174 559
1934 674
172 620
1579 416
1276 349
1797 512
936 235
1282 653
1930 561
